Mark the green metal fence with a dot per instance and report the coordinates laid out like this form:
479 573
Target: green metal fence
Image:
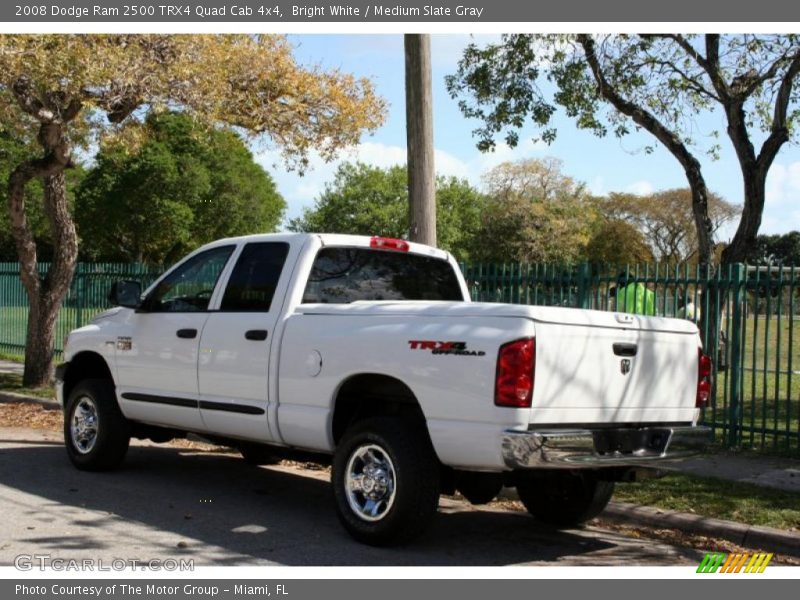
87 297
746 316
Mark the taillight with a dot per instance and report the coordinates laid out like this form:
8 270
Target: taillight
513 384
704 369
384 243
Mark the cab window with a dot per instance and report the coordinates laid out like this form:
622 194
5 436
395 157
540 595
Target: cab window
252 284
189 287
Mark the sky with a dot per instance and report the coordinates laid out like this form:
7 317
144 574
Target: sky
604 164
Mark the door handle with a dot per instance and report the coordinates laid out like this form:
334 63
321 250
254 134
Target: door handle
187 333
625 349
257 335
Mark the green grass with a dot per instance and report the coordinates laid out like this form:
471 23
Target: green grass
718 498
14 357
12 382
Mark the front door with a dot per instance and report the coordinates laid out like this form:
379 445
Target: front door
157 365
233 371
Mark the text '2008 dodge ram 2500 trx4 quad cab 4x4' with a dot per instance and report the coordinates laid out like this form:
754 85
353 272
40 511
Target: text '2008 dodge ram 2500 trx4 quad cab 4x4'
369 350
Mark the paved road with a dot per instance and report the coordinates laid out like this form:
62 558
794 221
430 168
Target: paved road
10 366
172 503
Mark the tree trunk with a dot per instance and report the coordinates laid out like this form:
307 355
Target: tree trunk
46 303
750 222
419 133
45 294
39 343
702 222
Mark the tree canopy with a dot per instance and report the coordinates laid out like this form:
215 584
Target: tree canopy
777 249
615 241
534 213
183 185
654 82
666 221
249 81
368 200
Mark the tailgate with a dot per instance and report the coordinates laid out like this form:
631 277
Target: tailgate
614 368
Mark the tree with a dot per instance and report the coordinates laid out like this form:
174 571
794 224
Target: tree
156 201
659 83
419 135
779 250
72 90
666 220
367 200
616 241
538 179
535 213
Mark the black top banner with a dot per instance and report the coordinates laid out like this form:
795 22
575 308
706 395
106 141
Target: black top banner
465 11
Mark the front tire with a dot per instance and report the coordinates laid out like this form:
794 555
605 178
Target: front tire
96 433
565 499
385 481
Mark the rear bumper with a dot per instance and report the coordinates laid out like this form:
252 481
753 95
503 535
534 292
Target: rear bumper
593 448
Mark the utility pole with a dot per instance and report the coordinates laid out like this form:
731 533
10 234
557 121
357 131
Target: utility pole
419 134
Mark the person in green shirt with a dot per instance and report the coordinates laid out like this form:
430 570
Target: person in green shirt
635 298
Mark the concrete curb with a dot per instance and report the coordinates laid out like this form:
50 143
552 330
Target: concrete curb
768 539
11 397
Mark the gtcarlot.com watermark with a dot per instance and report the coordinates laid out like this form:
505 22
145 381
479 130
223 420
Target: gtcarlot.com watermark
31 562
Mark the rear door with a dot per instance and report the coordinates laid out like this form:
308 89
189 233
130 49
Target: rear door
233 369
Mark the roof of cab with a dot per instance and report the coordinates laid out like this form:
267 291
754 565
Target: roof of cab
327 239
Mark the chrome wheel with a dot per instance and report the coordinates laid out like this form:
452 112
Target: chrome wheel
370 482
83 425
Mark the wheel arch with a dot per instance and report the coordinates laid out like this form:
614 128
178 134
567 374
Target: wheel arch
85 365
364 395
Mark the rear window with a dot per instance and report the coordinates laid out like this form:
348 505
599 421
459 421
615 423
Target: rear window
343 275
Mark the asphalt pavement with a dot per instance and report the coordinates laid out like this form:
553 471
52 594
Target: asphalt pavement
168 502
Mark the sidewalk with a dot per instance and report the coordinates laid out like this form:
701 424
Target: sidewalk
9 366
765 471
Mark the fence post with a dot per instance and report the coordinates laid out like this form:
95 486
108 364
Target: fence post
79 284
584 285
738 281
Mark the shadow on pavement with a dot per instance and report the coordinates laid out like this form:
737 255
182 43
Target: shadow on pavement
226 512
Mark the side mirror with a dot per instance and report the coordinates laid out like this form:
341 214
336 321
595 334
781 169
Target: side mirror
126 293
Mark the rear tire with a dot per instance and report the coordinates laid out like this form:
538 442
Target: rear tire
96 433
385 481
565 499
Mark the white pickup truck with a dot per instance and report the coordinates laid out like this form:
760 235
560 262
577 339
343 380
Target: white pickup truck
370 351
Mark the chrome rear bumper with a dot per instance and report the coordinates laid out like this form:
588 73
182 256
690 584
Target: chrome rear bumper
593 448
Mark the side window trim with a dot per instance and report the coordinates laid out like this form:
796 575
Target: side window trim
210 308
224 277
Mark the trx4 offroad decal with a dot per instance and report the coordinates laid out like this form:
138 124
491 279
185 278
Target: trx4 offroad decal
450 348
